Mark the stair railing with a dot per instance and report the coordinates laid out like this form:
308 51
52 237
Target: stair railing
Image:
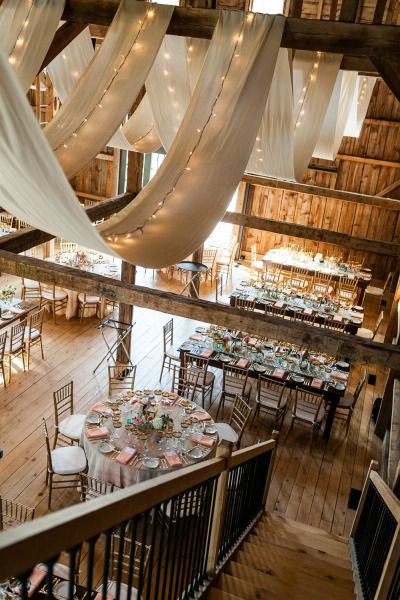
160 539
375 541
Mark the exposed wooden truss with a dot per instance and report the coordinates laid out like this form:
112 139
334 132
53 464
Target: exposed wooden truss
202 310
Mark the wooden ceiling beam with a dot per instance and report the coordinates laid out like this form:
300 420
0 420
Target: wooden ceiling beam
29 237
304 188
313 233
379 12
389 188
63 36
376 162
388 69
355 39
321 340
348 10
295 8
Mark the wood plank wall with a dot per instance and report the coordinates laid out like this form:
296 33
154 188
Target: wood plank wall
97 176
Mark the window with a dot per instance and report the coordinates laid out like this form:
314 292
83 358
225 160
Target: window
272 7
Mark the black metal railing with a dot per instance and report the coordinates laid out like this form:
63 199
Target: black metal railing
372 540
244 501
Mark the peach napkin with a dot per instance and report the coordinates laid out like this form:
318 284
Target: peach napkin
125 455
36 578
201 416
278 373
97 433
340 376
206 353
101 408
172 459
278 304
196 337
203 440
317 383
307 311
242 363
338 318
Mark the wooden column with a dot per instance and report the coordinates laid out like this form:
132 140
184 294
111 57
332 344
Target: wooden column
197 256
391 328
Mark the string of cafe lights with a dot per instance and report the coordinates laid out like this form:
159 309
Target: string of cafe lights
170 86
187 168
124 57
362 90
20 37
312 76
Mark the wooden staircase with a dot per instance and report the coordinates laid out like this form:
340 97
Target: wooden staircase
288 560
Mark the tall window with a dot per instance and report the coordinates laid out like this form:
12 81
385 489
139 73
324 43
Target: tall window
271 7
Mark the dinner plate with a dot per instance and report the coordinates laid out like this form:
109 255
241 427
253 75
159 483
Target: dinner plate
7 315
342 364
186 346
225 358
195 453
259 368
338 385
151 462
358 309
356 320
210 429
60 591
200 330
93 419
297 378
106 447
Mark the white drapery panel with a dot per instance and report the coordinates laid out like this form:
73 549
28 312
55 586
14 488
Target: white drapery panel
359 106
33 186
65 70
196 54
336 116
27 28
139 132
314 77
181 205
272 154
106 91
168 88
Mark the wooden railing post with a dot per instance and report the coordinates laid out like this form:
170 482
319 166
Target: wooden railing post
224 450
274 436
374 466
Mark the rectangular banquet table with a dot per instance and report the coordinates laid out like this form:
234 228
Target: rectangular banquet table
23 308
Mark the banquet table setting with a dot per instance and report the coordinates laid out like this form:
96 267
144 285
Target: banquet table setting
321 306
142 434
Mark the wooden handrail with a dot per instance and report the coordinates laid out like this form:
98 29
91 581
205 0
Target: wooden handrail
245 454
387 495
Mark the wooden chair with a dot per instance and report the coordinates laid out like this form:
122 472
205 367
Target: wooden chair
121 378
3 341
15 345
273 275
277 311
234 383
67 424
225 265
21 224
299 279
6 221
34 333
308 408
272 396
244 304
205 381
355 262
63 463
347 289
369 334
13 514
56 299
127 562
87 302
171 352
321 283
189 506
379 292
209 256
339 326
256 266
93 488
68 247
184 381
301 317
347 403
220 297
29 288
233 430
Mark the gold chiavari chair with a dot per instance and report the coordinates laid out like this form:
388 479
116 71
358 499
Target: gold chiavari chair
233 430
13 513
234 383
6 221
184 381
87 302
347 403
15 345
356 262
21 224
3 340
220 297
34 333
301 317
29 288
206 379
333 325
321 283
68 425
56 299
121 378
170 351
272 396
209 257
256 266
225 265
273 276
308 408
93 488
68 247
347 289
299 279
379 292
244 304
277 311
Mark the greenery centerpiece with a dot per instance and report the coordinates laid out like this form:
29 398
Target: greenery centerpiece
145 419
7 293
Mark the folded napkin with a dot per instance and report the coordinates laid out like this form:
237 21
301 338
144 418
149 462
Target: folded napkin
338 318
252 341
203 440
278 373
251 297
197 337
201 416
99 596
307 311
36 578
242 363
97 433
340 376
317 383
172 459
125 455
278 304
206 353
16 310
101 408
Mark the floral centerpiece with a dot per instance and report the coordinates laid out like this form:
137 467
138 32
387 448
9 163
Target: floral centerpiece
146 420
8 292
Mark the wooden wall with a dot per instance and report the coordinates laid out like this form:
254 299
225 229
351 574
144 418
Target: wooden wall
97 177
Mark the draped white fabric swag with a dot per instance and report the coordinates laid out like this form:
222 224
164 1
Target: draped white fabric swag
27 28
106 91
359 105
206 161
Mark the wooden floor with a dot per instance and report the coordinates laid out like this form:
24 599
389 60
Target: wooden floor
309 487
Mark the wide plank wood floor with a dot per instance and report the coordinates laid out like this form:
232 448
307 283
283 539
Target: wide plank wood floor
311 487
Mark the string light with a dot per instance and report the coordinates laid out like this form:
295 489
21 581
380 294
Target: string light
311 78
134 46
19 42
140 230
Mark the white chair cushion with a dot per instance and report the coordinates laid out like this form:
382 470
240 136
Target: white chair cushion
58 295
173 352
365 333
35 333
258 264
375 291
30 284
123 590
72 426
304 415
68 460
89 299
226 432
15 347
346 401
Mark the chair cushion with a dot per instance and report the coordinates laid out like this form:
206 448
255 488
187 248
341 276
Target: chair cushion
123 591
58 295
258 264
72 426
208 379
269 399
365 333
15 347
68 460
225 432
375 291
304 415
346 401
30 284
89 299
235 387
35 333
173 352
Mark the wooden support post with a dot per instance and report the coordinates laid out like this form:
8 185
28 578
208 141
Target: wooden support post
385 411
391 329
125 311
197 256
374 466
274 436
224 450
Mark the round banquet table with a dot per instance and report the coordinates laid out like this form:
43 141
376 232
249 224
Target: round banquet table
105 466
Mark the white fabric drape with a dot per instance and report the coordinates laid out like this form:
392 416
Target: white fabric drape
191 190
196 54
33 186
139 132
336 116
106 91
359 106
314 76
168 88
27 28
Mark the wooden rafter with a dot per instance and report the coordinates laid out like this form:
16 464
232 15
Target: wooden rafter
202 310
388 68
304 188
377 162
379 12
389 188
64 36
348 10
295 8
